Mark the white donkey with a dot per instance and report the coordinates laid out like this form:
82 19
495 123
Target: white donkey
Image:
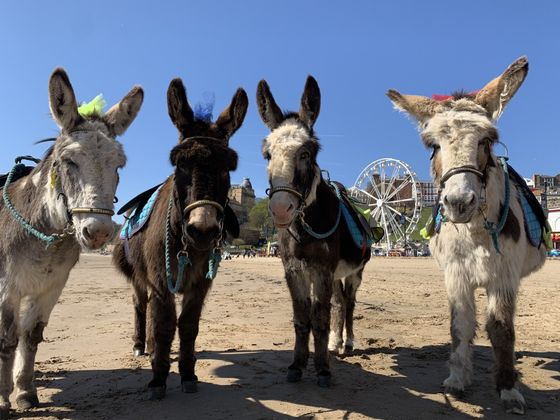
65 203
481 242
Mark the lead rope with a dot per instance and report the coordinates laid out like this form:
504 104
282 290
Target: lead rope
493 229
183 259
48 239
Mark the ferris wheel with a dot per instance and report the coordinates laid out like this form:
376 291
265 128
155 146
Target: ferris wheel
392 194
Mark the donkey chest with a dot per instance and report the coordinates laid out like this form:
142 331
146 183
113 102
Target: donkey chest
35 273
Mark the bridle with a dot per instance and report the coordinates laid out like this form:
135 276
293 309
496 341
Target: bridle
69 229
493 229
300 212
200 203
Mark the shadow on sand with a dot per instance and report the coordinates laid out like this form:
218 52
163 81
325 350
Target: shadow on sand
251 384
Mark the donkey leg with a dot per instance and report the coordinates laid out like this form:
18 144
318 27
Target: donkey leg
338 314
351 284
8 343
299 285
193 301
35 315
320 322
163 323
500 328
140 301
463 329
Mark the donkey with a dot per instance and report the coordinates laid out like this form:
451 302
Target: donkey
66 202
469 248
191 206
302 203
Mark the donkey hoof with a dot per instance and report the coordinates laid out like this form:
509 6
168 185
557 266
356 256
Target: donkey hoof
4 413
138 352
348 349
25 402
157 393
324 381
514 403
294 375
189 387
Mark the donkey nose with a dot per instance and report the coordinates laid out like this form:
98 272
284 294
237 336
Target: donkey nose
202 238
459 202
281 209
96 235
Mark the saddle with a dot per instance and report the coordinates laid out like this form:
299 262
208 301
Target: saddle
362 233
20 172
141 207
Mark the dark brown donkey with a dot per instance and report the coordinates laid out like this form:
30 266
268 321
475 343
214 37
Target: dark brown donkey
191 207
317 249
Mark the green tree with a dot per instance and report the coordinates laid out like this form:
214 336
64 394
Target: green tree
259 216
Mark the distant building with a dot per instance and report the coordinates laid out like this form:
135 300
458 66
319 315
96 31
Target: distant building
429 193
242 200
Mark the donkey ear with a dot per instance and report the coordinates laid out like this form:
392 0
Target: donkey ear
496 94
232 117
270 113
62 100
120 116
420 108
310 102
180 111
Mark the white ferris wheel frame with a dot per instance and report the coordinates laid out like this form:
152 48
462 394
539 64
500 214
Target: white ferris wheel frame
381 197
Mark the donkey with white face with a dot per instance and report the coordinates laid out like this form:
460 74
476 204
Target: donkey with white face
469 247
66 202
320 257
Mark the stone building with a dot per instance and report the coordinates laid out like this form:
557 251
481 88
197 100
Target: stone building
242 200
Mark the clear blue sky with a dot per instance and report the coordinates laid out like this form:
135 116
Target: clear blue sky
355 49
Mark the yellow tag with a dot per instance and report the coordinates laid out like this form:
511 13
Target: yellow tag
53 178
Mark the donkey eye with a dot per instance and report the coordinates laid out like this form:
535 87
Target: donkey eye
435 149
304 156
484 141
70 163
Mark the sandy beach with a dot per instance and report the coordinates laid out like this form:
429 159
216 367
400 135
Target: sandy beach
85 368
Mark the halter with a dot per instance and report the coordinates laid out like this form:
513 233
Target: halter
493 229
300 213
68 230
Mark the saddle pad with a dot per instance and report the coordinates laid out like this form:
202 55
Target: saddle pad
533 213
362 233
139 216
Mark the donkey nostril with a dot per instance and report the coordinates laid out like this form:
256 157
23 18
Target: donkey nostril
86 234
471 201
291 206
445 200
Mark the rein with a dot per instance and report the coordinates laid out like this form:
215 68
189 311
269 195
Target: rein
68 230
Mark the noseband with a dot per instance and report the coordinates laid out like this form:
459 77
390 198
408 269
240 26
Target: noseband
201 203
459 170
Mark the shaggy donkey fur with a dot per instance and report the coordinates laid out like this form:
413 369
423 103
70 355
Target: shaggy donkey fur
462 132
314 268
202 161
82 165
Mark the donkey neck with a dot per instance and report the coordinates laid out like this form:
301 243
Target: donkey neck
321 213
